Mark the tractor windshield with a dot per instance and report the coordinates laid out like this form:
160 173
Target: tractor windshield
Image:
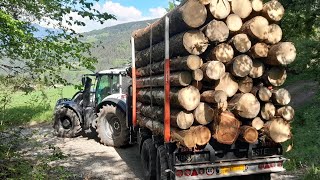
107 85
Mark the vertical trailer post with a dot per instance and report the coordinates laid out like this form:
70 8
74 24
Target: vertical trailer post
167 84
134 85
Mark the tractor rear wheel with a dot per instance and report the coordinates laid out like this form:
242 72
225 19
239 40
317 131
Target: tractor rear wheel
66 123
112 127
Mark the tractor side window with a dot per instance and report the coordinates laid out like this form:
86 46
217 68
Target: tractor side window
115 84
104 88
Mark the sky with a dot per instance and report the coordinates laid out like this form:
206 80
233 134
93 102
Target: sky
124 10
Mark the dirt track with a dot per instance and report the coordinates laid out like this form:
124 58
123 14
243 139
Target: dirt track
91 160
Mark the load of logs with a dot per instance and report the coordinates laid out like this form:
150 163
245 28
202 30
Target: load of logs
227 65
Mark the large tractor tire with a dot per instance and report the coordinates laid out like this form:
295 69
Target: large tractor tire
111 126
66 123
162 164
148 159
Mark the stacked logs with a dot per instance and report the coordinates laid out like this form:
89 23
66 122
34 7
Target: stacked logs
227 65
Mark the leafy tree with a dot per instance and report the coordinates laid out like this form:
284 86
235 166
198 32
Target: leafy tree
173 4
23 55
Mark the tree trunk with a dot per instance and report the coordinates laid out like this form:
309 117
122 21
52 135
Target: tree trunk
222 52
227 84
215 97
183 78
234 22
213 70
257 28
216 31
283 53
257 123
241 43
281 97
245 84
278 130
226 128
286 112
268 111
241 66
257 5
257 69
275 34
197 74
202 135
203 114
249 134
259 50
245 105
191 62
190 42
197 84
189 15
220 9
183 137
188 97
273 10
242 8
178 118
276 76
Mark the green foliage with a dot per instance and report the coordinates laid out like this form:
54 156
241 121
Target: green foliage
41 59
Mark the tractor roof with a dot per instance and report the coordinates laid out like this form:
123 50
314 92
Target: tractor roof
112 71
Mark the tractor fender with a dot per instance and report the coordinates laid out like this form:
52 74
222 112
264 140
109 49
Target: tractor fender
118 102
67 103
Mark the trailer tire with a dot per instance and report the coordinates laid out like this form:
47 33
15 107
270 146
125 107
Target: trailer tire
162 164
265 176
148 159
112 129
66 123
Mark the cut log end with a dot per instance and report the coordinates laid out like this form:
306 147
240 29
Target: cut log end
194 62
227 84
213 70
241 66
278 130
202 135
185 119
281 97
277 76
286 112
257 27
257 69
245 84
257 5
241 42
217 31
203 114
234 22
264 94
268 111
257 123
194 13
245 105
220 9
259 50
275 34
273 10
189 98
249 134
195 42
283 53
222 52
197 74
212 96
242 8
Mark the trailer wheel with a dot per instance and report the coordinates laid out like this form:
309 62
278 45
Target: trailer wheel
111 126
162 163
148 159
66 123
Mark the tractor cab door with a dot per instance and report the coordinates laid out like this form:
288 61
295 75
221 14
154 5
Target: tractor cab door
108 84
88 101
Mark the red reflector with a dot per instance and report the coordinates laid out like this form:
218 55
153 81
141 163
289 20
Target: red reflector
179 173
201 171
187 172
266 166
261 166
279 164
194 173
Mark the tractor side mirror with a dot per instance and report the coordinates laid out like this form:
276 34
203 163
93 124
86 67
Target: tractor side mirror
83 80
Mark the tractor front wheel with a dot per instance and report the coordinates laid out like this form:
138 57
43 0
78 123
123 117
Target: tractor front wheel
66 123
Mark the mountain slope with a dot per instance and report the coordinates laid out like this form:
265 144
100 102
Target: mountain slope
112 44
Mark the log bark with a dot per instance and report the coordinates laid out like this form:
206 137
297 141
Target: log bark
190 42
190 14
234 23
286 112
197 84
259 50
197 75
226 128
256 27
281 97
191 62
215 97
183 137
245 84
222 52
216 31
257 123
257 5
273 10
213 70
178 118
245 105
203 114
187 98
278 130
220 9
241 43
183 78
274 35
241 66
257 69
268 111
249 134
283 53
276 76
227 84
242 8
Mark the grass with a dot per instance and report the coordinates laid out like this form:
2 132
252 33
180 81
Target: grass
35 107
